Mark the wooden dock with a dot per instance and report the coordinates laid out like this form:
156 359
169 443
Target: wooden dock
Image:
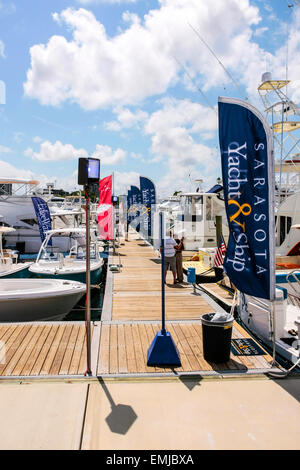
130 319
42 349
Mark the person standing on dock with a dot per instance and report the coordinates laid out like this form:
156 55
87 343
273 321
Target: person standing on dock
170 256
178 254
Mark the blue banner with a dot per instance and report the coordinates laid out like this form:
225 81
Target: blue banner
136 203
148 199
129 204
248 180
43 216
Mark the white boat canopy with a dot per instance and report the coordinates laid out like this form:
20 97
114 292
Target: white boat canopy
4 229
66 230
17 181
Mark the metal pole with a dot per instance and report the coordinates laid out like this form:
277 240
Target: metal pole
88 287
273 313
162 241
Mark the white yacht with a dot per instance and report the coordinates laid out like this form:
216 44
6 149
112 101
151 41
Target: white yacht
277 324
193 215
29 300
18 212
9 266
52 263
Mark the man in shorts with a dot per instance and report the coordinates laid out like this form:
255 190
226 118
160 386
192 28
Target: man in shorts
170 256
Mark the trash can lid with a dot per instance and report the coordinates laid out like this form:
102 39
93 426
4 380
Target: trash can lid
217 318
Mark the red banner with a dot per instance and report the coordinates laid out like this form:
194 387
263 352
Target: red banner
105 209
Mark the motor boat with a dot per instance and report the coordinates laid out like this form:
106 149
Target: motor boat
277 324
52 263
29 300
261 317
18 211
9 266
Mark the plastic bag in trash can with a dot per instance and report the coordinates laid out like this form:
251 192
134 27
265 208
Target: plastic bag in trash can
221 317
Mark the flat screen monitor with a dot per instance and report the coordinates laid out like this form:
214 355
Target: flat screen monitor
88 171
93 169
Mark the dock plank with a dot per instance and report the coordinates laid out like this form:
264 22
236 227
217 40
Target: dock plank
74 366
20 351
64 369
36 351
58 358
37 367
11 347
113 350
122 350
103 362
52 351
139 356
130 352
26 356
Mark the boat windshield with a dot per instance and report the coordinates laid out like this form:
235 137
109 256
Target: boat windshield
77 251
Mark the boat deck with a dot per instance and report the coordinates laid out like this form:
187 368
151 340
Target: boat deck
130 319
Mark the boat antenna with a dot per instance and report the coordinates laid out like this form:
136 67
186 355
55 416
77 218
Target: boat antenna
195 84
223 67
290 6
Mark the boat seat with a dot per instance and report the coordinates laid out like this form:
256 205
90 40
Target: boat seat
69 259
288 265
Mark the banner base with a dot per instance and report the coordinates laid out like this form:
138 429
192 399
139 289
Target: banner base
163 351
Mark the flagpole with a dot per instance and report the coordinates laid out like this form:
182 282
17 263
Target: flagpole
88 287
113 213
163 326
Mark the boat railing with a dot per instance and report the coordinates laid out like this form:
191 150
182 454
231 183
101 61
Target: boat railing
294 282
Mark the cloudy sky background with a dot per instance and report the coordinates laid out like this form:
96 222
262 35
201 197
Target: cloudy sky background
131 82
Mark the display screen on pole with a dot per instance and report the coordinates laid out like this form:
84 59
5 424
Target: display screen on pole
93 169
88 171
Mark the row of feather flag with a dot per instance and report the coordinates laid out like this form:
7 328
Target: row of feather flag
138 206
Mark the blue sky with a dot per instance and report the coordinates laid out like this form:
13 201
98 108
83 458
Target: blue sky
131 83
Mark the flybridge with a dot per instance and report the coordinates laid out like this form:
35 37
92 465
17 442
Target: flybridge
23 186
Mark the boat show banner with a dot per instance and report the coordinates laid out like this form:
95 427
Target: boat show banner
136 196
148 200
105 208
129 209
248 179
43 217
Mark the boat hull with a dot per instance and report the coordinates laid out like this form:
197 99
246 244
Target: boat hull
32 300
18 272
72 276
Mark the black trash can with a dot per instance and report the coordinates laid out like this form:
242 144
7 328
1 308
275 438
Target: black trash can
216 337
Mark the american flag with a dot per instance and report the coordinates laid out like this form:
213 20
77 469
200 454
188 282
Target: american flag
221 250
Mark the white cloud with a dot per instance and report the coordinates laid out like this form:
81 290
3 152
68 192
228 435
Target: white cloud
2 49
4 149
9 171
139 61
126 119
55 152
123 180
7 8
18 136
175 132
108 156
92 2
68 183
